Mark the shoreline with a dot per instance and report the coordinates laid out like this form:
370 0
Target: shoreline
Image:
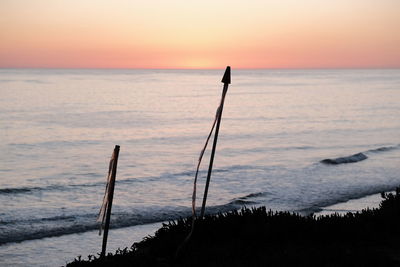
352 205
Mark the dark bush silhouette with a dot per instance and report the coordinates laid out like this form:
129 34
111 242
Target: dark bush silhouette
261 237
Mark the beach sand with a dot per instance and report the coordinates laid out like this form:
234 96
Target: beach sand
353 205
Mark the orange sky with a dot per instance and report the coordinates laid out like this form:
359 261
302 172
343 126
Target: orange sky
200 34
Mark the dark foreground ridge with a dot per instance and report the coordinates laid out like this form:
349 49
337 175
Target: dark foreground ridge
258 237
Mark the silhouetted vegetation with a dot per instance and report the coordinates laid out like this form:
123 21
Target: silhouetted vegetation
260 237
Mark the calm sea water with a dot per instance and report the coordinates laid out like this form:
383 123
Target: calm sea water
58 129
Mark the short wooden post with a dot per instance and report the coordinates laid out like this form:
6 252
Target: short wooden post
110 199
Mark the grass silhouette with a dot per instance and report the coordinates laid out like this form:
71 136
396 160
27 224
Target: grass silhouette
261 237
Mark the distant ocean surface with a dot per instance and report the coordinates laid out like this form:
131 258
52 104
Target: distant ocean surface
58 129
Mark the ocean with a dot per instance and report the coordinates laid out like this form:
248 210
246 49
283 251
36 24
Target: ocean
58 128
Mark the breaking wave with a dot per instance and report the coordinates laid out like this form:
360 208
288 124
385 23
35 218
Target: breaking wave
79 223
359 156
383 149
349 159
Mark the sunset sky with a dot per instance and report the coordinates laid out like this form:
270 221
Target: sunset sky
200 34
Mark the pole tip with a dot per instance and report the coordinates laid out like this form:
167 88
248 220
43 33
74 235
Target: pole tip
227 75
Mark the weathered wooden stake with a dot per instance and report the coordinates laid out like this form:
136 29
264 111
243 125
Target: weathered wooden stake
226 80
110 199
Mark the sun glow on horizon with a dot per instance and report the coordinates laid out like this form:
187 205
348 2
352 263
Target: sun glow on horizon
206 34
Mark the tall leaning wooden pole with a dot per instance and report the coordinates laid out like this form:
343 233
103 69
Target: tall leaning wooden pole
110 200
226 80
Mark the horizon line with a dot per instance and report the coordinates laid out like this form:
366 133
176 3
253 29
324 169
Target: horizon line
212 68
